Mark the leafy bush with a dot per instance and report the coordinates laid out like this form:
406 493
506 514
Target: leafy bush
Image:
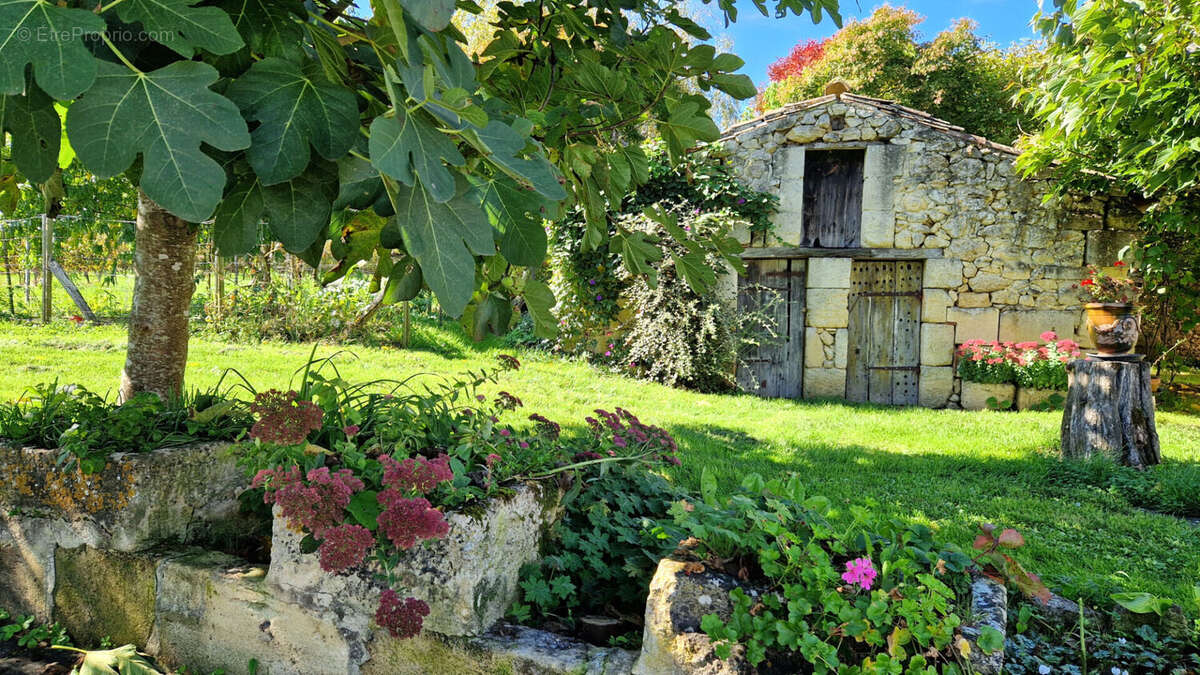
300 311
87 428
877 593
604 550
590 307
675 335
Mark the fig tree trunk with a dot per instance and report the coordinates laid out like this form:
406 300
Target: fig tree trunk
164 261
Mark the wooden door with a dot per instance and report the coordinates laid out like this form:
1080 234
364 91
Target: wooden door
883 359
775 367
833 191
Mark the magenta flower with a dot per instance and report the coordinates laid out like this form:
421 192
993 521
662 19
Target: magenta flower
860 571
317 505
403 619
416 474
351 430
345 546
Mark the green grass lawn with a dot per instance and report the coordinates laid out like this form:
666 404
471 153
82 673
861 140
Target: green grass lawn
949 469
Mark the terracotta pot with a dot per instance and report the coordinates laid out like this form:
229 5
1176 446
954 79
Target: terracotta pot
1113 327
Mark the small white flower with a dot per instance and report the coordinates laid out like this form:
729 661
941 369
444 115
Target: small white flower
1121 640
1044 669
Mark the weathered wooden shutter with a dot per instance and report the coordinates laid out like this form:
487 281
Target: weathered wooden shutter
883 359
776 286
833 185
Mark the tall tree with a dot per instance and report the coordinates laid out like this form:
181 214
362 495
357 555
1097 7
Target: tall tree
379 136
955 76
1119 108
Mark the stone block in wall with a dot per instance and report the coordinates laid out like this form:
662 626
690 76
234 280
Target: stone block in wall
672 642
974 324
937 344
829 272
828 307
137 501
1019 325
934 303
878 228
975 395
469 578
214 613
935 386
974 300
841 347
814 350
824 383
880 166
100 594
790 160
1104 246
788 225
943 273
1119 218
1082 336
986 282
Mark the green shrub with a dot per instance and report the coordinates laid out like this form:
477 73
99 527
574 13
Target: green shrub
877 594
300 310
86 428
604 550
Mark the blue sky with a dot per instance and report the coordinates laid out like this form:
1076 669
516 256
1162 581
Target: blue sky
761 40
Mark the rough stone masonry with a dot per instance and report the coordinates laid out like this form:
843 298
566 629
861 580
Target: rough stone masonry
999 261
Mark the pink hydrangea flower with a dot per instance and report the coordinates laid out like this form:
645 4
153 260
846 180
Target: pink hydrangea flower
344 547
402 618
860 571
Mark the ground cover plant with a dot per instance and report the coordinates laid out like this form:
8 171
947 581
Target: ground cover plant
991 468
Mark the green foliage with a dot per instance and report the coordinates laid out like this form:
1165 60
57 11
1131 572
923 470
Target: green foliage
1163 488
1139 132
28 633
86 428
677 335
956 76
1035 649
604 550
126 660
224 103
588 281
811 593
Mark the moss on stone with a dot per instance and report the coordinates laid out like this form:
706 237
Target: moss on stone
100 594
427 654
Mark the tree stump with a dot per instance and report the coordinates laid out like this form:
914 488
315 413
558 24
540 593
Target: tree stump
1110 411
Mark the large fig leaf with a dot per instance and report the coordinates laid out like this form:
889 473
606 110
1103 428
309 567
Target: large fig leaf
505 146
51 38
518 212
36 133
444 238
295 110
406 144
183 28
165 115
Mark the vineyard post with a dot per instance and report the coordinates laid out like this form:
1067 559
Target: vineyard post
47 278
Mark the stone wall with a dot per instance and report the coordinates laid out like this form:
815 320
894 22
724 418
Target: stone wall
999 261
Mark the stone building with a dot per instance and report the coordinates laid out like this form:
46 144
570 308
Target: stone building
898 236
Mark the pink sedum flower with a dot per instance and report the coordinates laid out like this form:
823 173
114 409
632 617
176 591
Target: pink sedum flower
416 474
407 521
860 571
1049 336
344 547
316 504
402 618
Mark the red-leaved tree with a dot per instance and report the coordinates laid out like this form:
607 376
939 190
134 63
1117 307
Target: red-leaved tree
802 56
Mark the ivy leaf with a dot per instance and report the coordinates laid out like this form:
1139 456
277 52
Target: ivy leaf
404 144
294 111
539 300
165 115
518 213
444 238
182 28
36 132
433 15
235 224
62 65
299 209
686 125
504 145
